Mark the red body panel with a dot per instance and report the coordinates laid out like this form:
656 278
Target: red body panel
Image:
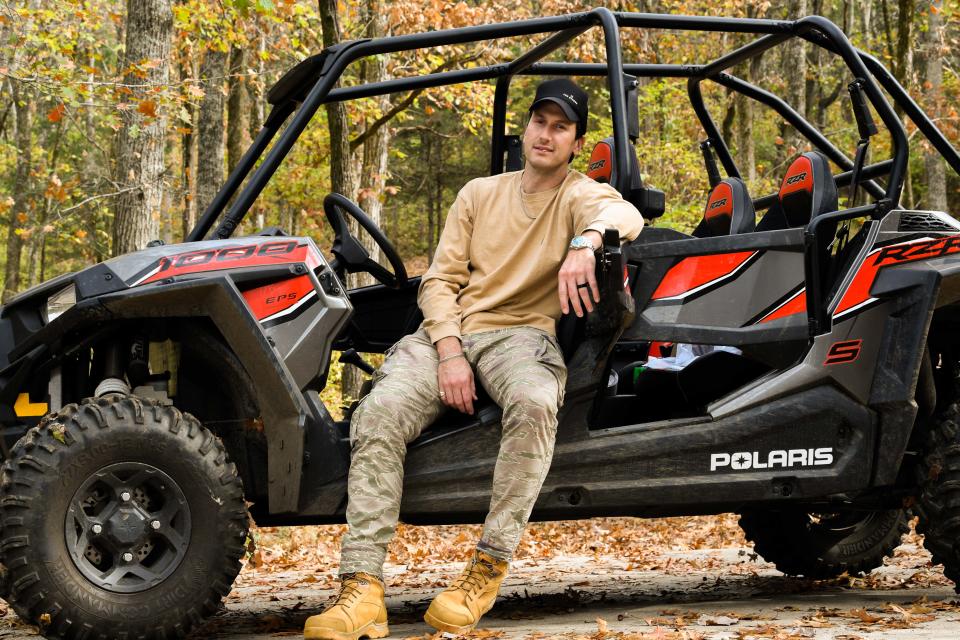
697 271
235 257
796 304
273 298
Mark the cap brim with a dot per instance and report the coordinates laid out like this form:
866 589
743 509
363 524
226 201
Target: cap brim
566 108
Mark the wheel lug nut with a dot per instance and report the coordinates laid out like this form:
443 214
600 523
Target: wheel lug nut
127 557
155 524
125 496
97 529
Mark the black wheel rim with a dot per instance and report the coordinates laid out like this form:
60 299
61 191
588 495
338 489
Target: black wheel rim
127 527
841 521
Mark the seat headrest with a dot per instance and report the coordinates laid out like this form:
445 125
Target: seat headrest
603 168
808 189
729 210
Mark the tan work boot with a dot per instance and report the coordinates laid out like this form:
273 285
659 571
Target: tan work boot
359 611
459 607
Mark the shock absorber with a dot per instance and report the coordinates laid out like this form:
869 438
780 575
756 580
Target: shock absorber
113 381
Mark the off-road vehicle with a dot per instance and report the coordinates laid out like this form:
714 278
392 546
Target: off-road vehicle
148 400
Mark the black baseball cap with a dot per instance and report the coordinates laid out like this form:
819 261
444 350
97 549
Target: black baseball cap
568 96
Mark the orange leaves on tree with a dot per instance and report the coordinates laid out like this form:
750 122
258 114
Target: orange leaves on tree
56 114
55 189
148 108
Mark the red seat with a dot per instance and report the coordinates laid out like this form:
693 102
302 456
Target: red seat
729 210
807 191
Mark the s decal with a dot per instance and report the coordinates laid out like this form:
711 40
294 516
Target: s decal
843 352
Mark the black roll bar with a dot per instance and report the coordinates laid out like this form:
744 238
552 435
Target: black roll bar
819 320
710 127
897 134
618 99
796 120
348 52
321 72
497 146
270 127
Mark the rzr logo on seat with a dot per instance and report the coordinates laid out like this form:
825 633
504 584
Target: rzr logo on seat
599 164
778 458
800 177
718 203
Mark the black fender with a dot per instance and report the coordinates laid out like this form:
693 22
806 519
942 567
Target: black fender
281 403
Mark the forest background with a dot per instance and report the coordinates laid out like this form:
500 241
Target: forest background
120 120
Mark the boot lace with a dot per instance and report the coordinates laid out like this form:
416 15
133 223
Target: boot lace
475 576
349 590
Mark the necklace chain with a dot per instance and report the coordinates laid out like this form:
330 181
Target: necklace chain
523 203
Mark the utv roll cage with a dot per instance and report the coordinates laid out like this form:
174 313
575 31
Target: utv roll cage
309 84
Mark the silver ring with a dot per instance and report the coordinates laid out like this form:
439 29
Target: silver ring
443 394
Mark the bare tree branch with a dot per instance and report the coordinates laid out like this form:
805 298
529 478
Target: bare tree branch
403 104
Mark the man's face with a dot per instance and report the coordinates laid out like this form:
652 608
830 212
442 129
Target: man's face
550 138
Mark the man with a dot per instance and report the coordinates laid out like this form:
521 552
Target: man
517 250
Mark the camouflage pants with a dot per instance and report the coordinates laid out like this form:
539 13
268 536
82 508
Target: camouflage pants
521 368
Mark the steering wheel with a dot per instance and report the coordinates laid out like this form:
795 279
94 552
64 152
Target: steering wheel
349 255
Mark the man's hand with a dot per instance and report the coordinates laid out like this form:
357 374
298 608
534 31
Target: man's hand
577 282
455 376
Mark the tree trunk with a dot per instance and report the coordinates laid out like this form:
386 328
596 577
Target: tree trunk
93 250
372 173
238 108
934 50
238 115
188 158
255 91
795 61
19 212
343 178
210 127
38 238
140 162
746 148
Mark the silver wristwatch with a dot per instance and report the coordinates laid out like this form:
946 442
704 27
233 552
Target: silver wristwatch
581 242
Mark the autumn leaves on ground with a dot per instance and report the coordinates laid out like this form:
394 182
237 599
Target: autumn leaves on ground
597 560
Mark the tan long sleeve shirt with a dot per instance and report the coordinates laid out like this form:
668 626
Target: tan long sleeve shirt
500 252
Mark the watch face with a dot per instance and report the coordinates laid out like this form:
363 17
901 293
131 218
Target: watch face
580 242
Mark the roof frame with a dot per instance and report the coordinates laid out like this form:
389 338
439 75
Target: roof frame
310 84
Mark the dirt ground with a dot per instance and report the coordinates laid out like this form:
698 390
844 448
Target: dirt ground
683 578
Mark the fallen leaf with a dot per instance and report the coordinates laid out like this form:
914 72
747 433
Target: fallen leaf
722 621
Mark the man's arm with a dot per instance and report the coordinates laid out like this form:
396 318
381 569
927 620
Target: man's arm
578 268
448 274
438 299
598 207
